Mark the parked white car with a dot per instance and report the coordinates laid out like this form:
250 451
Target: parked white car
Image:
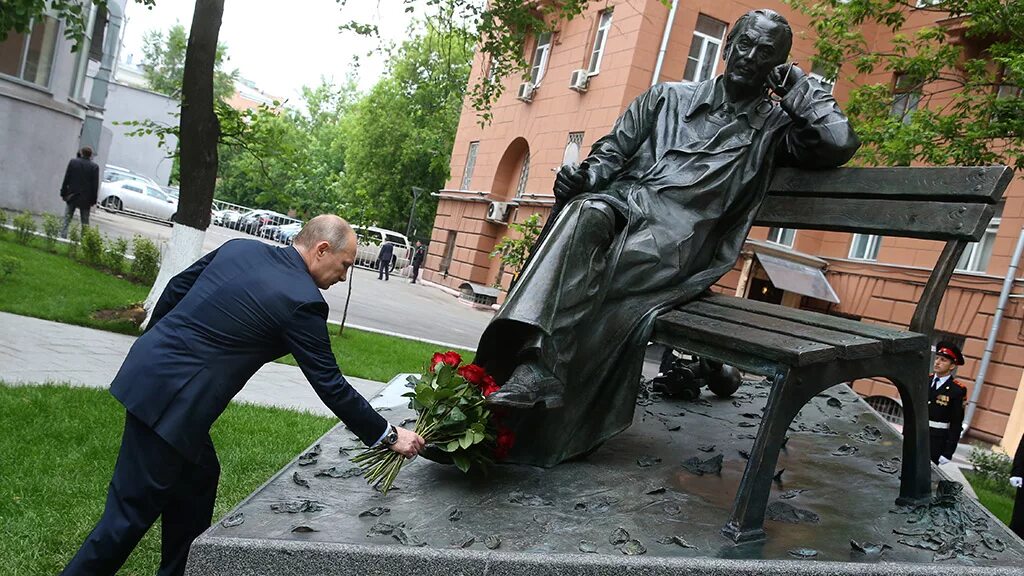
370 239
135 197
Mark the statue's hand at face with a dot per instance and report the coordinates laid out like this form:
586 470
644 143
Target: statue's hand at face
753 54
783 77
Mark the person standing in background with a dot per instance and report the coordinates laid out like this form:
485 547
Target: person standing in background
80 188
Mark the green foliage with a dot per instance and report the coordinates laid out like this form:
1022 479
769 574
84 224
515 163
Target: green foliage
993 469
147 260
74 239
515 251
17 15
163 63
3 223
51 227
400 134
24 227
92 246
961 117
114 255
8 266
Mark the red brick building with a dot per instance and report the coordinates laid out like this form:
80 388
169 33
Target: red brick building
582 77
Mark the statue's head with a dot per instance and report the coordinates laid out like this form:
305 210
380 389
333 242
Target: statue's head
759 41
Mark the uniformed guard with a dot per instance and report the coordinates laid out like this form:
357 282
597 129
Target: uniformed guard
946 400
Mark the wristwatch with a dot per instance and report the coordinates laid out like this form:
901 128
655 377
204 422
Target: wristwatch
391 437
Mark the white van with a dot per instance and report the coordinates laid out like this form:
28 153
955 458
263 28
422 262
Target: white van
370 240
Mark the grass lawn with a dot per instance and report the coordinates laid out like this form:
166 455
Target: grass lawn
379 357
57 451
997 500
54 287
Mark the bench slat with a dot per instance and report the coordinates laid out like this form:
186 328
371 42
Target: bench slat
905 218
753 341
966 183
848 346
892 339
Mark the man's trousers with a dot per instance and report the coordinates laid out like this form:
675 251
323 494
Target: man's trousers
150 479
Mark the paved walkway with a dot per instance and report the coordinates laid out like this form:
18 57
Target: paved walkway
34 351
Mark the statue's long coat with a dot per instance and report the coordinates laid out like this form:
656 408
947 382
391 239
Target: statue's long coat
685 174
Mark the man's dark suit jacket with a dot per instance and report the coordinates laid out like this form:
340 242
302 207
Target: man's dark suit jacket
81 184
387 250
239 307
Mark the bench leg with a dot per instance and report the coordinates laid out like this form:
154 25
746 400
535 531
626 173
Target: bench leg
915 479
784 401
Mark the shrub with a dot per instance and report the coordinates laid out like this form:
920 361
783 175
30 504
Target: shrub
92 246
51 227
147 260
993 469
3 222
114 257
24 227
8 266
74 238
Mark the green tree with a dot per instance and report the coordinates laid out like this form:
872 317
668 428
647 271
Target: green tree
400 134
963 73
163 63
515 252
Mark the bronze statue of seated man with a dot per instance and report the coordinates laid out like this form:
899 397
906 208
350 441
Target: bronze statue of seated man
649 220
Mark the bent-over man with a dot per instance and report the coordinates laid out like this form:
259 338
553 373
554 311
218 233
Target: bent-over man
239 307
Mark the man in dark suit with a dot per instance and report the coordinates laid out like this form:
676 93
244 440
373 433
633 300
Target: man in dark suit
80 188
417 260
387 252
946 400
239 307
1017 481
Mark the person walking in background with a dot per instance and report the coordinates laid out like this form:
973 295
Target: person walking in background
946 399
1017 481
387 252
80 188
419 253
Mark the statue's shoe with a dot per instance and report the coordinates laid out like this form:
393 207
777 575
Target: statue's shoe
529 386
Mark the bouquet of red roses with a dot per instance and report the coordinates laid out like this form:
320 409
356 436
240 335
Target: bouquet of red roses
452 416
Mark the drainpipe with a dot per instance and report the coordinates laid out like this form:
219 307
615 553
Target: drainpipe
93 126
664 42
1011 274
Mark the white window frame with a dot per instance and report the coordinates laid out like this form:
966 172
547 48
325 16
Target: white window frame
871 247
467 171
524 175
706 40
977 255
904 102
541 52
604 24
57 35
778 236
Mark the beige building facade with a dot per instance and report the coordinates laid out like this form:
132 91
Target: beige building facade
585 73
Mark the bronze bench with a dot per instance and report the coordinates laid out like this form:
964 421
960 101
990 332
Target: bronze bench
805 353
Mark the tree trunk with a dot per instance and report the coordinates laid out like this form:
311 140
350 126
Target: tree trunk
198 136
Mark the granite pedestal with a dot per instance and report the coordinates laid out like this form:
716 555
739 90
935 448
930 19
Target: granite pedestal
651 501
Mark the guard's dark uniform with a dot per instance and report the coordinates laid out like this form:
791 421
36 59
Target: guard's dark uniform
1017 520
946 407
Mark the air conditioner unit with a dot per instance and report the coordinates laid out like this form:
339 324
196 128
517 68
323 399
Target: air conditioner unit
498 212
525 92
579 80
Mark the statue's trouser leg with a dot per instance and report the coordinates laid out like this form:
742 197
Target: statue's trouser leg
583 266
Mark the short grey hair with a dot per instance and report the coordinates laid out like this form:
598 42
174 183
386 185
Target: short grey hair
770 15
324 228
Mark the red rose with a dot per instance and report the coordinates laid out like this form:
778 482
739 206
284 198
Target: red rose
506 439
436 359
473 374
452 358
